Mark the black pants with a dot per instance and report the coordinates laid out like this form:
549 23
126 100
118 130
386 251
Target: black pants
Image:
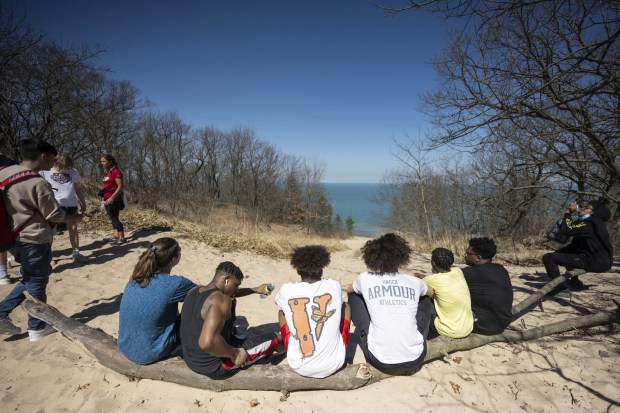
361 319
113 211
554 260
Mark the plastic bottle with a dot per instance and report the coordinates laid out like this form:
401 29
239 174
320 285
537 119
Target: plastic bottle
270 287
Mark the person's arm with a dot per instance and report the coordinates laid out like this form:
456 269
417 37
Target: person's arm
211 339
430 291
348 288
81 198
261 289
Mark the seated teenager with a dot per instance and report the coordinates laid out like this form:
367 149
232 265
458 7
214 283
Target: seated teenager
388 308
207 324
314 320
149 318
450 296
489 286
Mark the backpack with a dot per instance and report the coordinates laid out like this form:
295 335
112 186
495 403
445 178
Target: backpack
7 237
555 235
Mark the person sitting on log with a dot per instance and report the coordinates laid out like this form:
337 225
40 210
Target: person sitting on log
388 308
149 320
590 248
207 326
489 287
314 320
452 303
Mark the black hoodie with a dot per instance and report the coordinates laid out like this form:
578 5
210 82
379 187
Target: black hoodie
590 238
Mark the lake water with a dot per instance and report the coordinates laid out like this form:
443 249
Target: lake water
356 200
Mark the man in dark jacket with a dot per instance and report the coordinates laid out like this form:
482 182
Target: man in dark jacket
590 248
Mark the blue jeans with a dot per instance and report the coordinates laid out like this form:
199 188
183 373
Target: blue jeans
36 267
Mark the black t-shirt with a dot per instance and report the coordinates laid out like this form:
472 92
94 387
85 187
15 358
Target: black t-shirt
191 325
491 297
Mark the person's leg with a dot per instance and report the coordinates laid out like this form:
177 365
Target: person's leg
257 347
361 318
4 268
425 315
113 213
36 269
554 260
284 330
345 323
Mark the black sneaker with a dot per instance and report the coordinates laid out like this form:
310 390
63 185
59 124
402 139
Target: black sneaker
577 285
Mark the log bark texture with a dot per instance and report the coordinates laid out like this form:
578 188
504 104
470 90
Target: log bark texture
272 377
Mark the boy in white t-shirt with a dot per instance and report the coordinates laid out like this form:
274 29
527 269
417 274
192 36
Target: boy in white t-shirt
389 309
314 319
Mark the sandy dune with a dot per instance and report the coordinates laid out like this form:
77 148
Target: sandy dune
574 372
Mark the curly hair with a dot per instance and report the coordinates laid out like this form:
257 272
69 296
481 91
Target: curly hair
483 246
229 268
386 254
310 260
443 258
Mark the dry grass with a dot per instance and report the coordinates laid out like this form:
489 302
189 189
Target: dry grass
509 250
224 227
233 229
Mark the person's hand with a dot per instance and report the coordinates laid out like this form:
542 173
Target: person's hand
261 289
419 275
242 358
572 208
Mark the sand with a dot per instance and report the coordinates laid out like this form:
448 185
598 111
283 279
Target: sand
573 372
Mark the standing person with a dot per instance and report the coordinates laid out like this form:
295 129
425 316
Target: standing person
31 205
314 319
4 260
67 186
112 192
450 296
590 248
149 319
489 286
388 310
207 324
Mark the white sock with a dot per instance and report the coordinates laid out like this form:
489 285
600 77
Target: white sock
3 271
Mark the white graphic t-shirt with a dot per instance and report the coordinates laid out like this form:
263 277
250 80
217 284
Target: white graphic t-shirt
313 313
392 302
63 184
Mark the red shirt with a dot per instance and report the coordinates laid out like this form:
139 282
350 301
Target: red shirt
109 182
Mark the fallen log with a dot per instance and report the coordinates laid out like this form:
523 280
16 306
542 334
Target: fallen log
273 377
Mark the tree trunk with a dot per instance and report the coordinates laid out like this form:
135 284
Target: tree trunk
273 377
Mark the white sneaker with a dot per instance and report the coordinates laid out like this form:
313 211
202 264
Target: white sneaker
79 258
5 280
36 335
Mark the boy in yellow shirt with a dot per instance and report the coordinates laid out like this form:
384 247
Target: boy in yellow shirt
450 295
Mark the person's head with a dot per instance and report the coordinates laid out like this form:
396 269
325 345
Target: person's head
441 260
163 254
39 153
228 278
309 261
596 209
108 162
63 162
386 254
480 251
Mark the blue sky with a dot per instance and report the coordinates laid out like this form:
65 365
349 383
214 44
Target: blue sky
331 80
